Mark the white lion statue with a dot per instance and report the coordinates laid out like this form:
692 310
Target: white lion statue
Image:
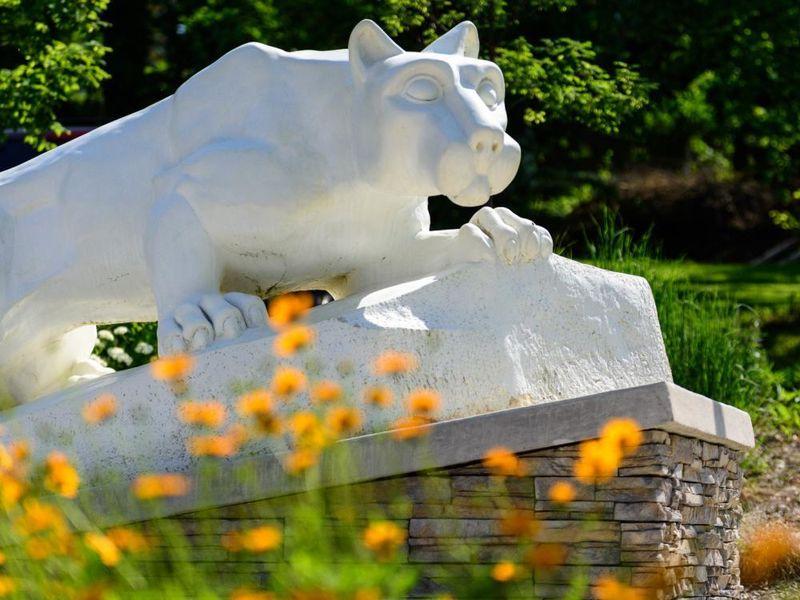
266 172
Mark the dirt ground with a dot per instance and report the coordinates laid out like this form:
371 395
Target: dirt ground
772 492
773 478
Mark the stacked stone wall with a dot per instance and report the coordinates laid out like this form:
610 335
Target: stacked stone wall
667 521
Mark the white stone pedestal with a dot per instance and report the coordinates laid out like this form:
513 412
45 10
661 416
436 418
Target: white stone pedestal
488 338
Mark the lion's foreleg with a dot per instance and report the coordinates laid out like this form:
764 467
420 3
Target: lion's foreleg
185 274
425 253
491 235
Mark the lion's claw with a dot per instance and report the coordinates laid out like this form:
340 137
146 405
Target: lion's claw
514 239
196 324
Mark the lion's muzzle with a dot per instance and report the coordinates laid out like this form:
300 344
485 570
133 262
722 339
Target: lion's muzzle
470 171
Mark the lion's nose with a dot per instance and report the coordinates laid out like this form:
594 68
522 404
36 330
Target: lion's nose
486 141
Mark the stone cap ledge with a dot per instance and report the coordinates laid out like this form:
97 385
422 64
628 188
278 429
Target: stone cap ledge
247 478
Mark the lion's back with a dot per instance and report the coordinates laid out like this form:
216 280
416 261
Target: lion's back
251 92
221 100
30 246
54 207
61 209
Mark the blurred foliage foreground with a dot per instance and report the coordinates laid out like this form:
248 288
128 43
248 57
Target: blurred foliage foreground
45 556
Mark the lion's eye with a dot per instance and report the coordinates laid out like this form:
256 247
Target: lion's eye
488 93
423 89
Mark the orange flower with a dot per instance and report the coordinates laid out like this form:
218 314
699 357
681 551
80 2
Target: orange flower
128 539
326 392
248 594
7 585
288 308
394 363
423 402
384 538
562 492
103 546
304 424
6 459
39 548
100 409
519 523
206 414
218 446
293 340
546 557
61 476
503 463
172 368
20 450
608 588
368 594
308 431
378 396
342 419
269 423
38 516
260 539
163 485
626 434
258 404
597 462
255 402
300 460
504 571
406 428
288 381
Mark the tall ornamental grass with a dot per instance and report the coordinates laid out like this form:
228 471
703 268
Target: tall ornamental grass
712 348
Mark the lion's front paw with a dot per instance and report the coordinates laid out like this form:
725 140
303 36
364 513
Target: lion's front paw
513 239
195 325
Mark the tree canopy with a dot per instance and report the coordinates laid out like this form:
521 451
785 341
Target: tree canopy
50 53
593 87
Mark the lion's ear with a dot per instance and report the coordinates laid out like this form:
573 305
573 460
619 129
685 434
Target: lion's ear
369 45
461 39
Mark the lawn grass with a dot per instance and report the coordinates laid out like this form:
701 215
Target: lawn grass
757 286
771 292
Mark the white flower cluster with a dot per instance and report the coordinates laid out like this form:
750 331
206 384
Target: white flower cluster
119 355
144 348
122 346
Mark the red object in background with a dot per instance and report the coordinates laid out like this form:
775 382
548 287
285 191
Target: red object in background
73 132
15 151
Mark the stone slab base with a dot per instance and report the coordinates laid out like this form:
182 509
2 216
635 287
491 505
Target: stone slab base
529 335
668 521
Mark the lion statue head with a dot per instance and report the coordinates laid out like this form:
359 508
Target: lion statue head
430 122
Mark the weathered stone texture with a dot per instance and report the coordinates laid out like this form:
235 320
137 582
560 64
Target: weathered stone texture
668 520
